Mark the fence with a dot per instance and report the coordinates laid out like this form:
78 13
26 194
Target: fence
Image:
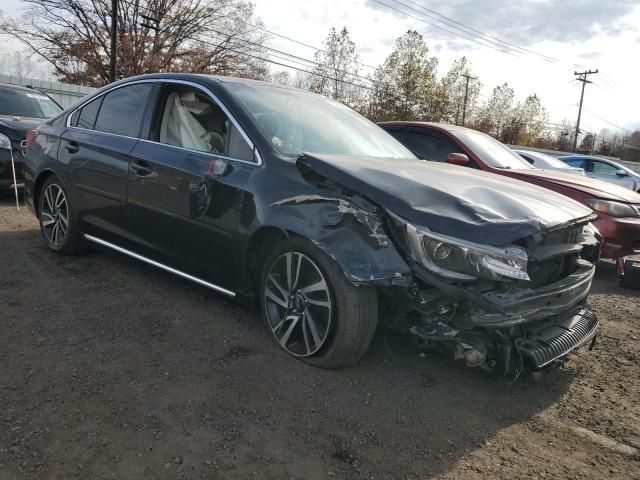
63 93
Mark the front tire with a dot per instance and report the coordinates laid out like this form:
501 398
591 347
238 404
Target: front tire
57 217
314 313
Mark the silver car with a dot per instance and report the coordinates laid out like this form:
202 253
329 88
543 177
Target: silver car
547 162
604 169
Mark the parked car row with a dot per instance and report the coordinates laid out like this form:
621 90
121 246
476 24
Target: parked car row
604 169
21 109
331 225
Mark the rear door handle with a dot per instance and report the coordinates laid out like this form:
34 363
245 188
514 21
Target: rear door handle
72 147
140 168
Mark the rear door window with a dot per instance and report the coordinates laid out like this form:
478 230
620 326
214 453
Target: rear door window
122 110
576 162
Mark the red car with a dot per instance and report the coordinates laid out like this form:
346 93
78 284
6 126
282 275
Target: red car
618 208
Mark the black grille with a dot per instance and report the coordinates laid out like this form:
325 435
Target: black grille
544 272
556 339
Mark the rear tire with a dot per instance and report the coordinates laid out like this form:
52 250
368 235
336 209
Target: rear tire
57 216
328 327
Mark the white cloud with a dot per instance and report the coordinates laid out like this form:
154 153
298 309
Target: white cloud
607 38
612 47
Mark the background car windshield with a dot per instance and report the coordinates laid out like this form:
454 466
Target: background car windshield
297 122
18 103
546 161
491 151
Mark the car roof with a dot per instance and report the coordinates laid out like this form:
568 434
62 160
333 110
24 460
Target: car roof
10 86
437 125
199 77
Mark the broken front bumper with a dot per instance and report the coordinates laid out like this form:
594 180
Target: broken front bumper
549 341
509 329
528 305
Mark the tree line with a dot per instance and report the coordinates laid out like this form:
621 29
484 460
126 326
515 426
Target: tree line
223 37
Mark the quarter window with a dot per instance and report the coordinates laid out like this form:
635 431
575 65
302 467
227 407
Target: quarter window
122 109
87 115
190 119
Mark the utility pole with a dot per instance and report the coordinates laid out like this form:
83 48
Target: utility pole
582 77
114 40
466 93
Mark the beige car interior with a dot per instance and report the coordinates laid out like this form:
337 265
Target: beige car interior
193 122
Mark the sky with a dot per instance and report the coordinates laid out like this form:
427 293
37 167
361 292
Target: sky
547 39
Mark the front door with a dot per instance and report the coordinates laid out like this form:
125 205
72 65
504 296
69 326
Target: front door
187 186
606 171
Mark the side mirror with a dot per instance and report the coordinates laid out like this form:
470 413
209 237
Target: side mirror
621 173
458 159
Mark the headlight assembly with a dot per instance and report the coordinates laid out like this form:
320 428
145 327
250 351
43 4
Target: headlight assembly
457 259
5 142
608 207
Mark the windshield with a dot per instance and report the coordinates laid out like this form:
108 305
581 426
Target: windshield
491 151
19 103
545 161
297 122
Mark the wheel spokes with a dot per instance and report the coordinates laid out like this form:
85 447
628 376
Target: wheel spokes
49 219
313 328
316 287
285 338
54 215
270 294
298 304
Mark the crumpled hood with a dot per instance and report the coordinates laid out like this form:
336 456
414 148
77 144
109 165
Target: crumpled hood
591 186
16 127
461 202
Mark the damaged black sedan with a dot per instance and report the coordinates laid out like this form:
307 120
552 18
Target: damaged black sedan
329 223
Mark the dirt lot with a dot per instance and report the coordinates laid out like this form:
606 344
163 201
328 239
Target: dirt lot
111 369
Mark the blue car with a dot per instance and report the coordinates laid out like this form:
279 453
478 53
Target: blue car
604 169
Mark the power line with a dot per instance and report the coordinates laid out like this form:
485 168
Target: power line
477 34
442 28
607 121
312 63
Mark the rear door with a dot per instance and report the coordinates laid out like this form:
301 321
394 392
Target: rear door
96 149
187 184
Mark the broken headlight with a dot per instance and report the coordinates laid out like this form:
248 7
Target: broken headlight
461 260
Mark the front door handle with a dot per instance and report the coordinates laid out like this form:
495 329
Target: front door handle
72 147
140 168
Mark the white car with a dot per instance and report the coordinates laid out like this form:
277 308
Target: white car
542 160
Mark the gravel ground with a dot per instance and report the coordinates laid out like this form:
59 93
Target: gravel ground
111 369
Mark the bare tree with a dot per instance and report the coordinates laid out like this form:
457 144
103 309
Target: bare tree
405 84
337 70
454 87
202 36
18 64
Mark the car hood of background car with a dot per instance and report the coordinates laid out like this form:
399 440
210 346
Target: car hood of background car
16 127
591 186
452 200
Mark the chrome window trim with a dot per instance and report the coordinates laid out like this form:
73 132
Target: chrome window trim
202 88
162 266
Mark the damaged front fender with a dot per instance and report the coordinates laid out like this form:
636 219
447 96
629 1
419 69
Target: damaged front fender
349 230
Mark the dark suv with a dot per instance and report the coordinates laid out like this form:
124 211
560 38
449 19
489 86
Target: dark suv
324 219
21 109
